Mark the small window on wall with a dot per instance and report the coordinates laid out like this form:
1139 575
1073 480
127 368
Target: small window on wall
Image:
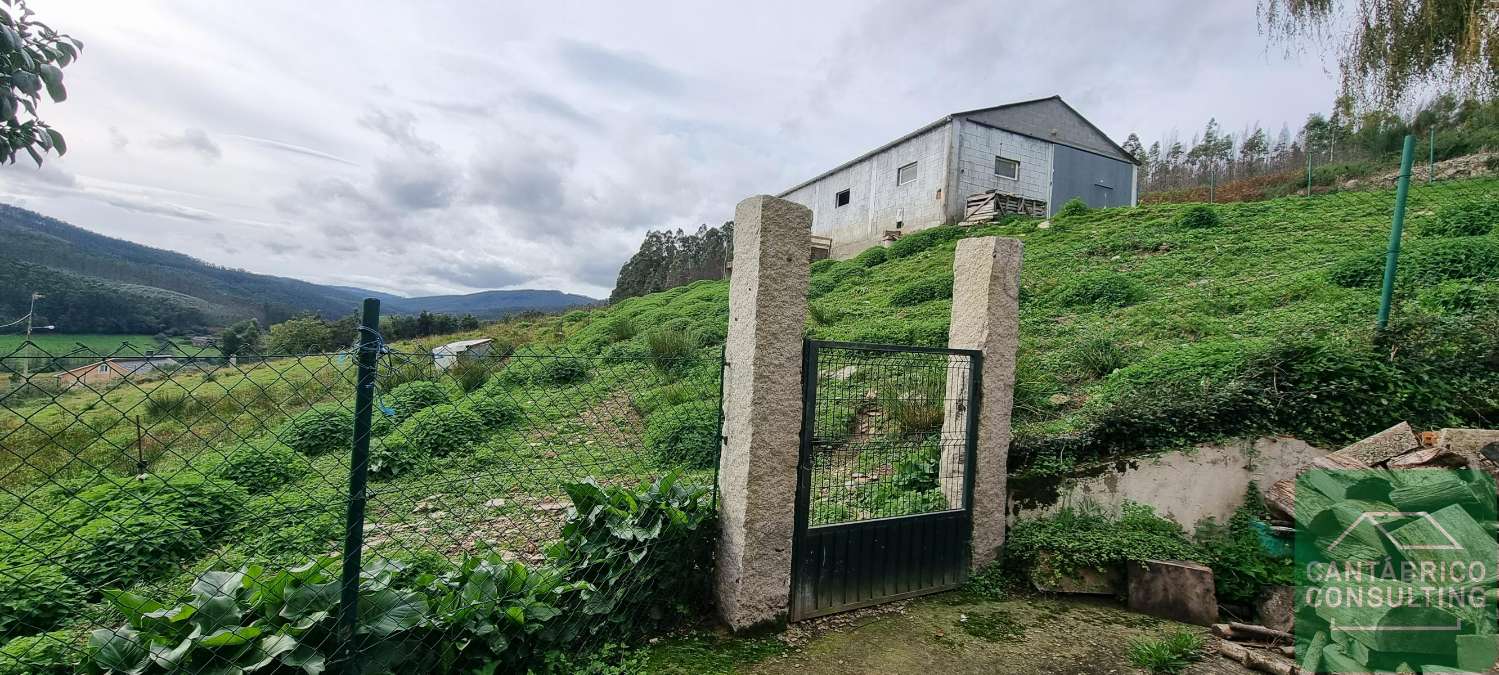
905 174
840 199
1006 168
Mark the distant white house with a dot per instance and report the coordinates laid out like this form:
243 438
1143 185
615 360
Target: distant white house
445 356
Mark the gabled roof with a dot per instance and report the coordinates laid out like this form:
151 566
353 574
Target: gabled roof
1107 147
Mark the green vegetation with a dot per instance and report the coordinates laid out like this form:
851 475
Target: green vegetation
321 429
1073 207
1169 655
1237 553
1074 539
1468 218
685 434
1199 216
263 465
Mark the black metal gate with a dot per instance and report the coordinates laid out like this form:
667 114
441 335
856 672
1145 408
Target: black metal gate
884 490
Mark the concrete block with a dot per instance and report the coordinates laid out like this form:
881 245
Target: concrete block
1173 589
1087 581
1277 607
762 392
1380 447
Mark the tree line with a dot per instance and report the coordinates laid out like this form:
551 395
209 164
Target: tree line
310 333
671 258
1345 136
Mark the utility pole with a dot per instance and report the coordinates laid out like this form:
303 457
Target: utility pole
26 360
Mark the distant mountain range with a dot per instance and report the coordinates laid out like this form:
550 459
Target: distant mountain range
99 284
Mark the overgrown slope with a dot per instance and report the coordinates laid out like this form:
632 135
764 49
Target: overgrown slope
1162 325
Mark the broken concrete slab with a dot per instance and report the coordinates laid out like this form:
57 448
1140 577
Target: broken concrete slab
1433 457
1470 443
1277 607
1173 589
1380 447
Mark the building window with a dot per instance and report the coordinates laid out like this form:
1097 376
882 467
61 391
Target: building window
840 199
1006 168
104 367
905 174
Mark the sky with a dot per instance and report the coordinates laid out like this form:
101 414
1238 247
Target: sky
449 147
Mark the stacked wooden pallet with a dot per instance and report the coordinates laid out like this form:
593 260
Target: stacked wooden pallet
993 205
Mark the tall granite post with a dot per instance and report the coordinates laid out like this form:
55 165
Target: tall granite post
986 317
762 404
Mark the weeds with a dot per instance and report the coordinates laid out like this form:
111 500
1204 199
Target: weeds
1169 655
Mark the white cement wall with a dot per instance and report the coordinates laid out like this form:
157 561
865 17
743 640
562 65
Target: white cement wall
1185 486
876 203
977 148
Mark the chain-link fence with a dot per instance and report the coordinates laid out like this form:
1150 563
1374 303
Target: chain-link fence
383 509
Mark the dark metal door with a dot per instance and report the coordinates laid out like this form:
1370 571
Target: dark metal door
884 486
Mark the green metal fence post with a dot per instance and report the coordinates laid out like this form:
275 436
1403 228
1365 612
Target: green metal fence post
1397 227
364 397
1431 155
1309 169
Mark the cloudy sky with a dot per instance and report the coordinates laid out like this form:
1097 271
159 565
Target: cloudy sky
417 147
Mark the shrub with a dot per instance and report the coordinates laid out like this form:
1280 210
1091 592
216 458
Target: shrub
1097 357
319 429
408 398
262 466
1424 262
394 455
1099 289
1198 217
291 522
469 373
916 242
46 654
829 281
1241 566
671 394
170 403
823 315
871 256
118 551
493 411
1456 297
1079 538
206 504
1471 218
1169 655
925 290
685 435
646 551
1073 207
820 266
35 598
670 350
620 329
560 370
440 430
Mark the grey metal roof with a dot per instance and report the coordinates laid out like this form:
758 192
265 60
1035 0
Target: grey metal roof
1112 149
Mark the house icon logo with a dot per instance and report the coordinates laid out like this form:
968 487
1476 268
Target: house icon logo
1373 518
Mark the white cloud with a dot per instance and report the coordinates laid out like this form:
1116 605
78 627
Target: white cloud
461 147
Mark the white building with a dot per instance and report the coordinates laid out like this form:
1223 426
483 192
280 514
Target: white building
445 356
1037 153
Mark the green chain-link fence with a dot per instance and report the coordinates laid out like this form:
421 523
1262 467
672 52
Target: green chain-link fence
511 509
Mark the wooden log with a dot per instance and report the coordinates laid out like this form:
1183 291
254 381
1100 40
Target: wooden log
1311 660
1434 490
1254 632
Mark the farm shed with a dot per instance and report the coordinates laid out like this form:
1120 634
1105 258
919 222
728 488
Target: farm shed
1029 157
445 356
110 370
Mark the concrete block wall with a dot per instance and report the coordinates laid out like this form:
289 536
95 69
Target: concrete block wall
876 202
978 146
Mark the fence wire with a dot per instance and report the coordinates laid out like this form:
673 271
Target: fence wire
191 512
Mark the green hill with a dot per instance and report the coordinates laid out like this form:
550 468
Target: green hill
1155 326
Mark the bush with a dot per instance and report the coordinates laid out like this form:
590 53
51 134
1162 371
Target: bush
647 552
469 373
820 266
36 598
1471 218
685 435
1198 217
1241 566
1073 207
1424 262
916 242
394 455
207 504
1456 297
262 466
871 256
493 411
46 654
925 290
112 551
1098 357
1100 290
318 430
408 398
440 430
670 350
829 281
620 329
560 370
1169 655
1079 538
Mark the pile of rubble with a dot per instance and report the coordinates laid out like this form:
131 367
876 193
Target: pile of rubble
1377 484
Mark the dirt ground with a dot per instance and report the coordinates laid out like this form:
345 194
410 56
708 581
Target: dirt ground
953 634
